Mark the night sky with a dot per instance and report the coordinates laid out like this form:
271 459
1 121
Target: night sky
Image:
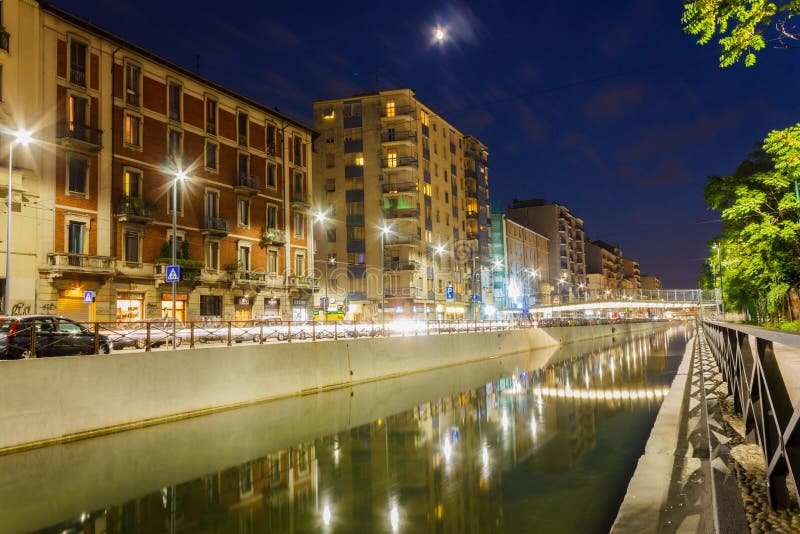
605 107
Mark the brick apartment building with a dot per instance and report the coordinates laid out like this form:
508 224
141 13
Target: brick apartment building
113 124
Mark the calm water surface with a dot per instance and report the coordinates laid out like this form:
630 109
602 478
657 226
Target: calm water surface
542 442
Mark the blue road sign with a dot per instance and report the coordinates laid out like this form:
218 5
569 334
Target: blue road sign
88 297
173 273
450 292
476 297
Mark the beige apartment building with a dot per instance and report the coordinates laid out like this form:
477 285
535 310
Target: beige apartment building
631 274
522 276
113 125
651 282
385 160
566 237
605 260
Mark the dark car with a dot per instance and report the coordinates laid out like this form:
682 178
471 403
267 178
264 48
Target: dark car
55 336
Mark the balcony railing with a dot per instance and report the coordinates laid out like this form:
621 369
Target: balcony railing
135 209
300 197
77 76
399 187
401 265
300 281
401 213
73 131
5 38
254 278
399 161
215 225
68 261
402 239
246 185
403 135
274 236
400 112
472 214
471 193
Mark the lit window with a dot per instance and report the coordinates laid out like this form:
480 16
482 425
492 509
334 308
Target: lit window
391 161
328 113
423 117
132 129
360 161
390 109
244 212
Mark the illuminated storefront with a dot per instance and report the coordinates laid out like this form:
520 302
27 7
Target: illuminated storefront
180 305
130 305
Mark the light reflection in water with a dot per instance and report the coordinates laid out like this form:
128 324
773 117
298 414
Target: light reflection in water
487 459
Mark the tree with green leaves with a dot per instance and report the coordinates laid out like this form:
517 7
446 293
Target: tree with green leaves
760 241
743 26
760 201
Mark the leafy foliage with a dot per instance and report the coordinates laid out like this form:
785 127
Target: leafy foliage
761 228
740 25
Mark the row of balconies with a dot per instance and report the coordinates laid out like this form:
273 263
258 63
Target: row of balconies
138 211
105 266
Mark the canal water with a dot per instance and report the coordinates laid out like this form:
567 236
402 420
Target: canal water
539 442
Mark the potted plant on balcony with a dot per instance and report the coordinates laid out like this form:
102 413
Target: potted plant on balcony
190 269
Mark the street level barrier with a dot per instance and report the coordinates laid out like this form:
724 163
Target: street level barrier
761 368
157 334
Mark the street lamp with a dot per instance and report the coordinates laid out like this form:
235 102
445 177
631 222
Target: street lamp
318 217
22 137
385 230
718 246
437 251
180 176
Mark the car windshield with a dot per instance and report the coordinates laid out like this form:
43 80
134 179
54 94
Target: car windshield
5 324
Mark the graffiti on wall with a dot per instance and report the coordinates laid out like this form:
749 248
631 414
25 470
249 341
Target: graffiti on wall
20 308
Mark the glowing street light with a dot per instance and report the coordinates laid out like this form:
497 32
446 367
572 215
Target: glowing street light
385 231
23 137
180 176
438 250
319 217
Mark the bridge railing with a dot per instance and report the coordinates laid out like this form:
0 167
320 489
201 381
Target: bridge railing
671 295
762 369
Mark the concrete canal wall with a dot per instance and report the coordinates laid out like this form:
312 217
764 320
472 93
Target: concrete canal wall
49 400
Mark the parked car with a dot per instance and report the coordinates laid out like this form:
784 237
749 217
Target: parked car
54 336
134 334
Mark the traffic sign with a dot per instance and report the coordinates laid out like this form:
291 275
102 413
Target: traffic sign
476 297
173 273
88 297
450 292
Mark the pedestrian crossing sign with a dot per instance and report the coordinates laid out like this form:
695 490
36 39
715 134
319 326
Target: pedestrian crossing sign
173 273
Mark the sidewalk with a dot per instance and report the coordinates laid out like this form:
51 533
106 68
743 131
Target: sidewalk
684 481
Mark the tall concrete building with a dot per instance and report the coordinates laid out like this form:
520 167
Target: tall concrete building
631 274
565 232
93 195
605 260
651 282
386 160
522 268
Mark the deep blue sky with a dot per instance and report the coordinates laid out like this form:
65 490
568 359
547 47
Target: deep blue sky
605 107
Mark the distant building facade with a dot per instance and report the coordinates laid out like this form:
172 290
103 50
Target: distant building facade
606 260
631 274
522 269
650 281
566 238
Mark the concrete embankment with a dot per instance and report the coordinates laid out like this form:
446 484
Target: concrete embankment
56 399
